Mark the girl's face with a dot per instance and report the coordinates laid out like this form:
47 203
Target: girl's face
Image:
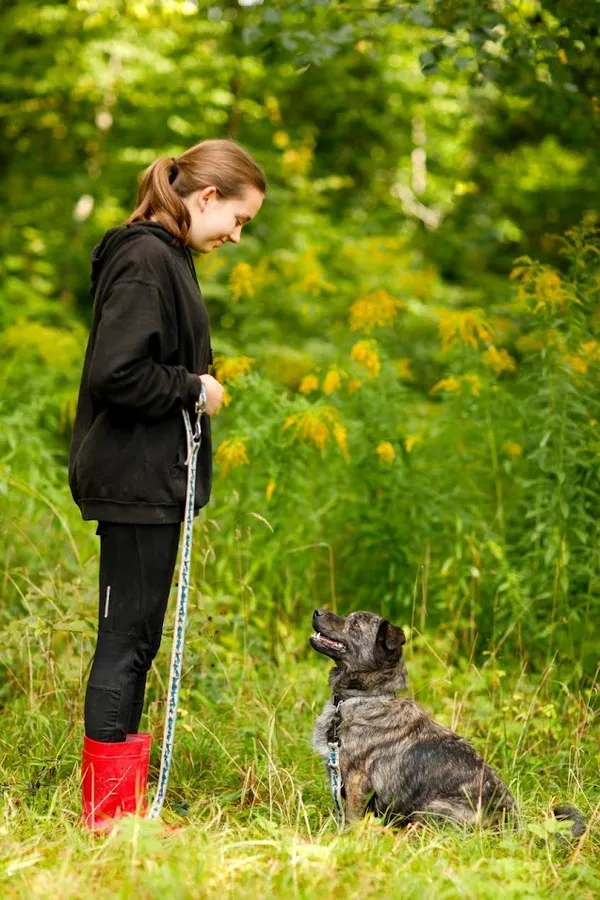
216 219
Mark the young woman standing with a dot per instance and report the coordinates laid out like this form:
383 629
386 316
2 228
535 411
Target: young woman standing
147 359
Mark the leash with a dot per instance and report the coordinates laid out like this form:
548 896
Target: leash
333 763
193 439
333 760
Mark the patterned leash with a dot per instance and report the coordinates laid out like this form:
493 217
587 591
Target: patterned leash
194 438
333 762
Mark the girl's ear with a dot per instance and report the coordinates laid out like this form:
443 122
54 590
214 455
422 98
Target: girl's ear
205 195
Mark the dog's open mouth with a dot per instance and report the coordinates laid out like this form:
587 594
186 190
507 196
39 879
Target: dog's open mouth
326 645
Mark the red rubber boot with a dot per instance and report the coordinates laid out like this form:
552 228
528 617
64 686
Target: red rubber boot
112 782
145 741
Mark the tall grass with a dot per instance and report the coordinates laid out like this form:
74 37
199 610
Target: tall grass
456 493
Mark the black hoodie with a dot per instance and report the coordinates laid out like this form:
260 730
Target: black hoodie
148 344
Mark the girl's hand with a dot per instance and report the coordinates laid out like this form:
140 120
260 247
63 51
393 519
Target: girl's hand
214 393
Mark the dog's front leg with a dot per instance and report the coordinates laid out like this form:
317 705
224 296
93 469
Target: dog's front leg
356 786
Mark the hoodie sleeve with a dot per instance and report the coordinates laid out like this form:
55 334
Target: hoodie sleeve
133 333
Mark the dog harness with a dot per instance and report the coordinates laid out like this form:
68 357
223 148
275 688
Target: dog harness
193 440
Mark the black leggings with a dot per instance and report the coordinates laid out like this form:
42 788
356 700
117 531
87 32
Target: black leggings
136 572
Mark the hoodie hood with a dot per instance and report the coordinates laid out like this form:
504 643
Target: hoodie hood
122 234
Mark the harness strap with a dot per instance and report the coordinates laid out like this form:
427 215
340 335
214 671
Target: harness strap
193 439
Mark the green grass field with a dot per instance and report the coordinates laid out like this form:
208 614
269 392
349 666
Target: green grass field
252 796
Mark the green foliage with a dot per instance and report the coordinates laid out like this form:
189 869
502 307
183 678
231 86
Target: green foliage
408 428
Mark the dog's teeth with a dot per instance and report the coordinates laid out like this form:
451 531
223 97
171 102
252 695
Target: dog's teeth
318 634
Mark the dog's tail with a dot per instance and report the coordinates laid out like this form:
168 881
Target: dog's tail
573 815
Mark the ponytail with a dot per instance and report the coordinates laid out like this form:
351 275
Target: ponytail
167 181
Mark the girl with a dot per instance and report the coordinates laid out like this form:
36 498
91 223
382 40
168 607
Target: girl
147 359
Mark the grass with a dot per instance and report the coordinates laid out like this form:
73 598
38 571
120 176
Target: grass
251 793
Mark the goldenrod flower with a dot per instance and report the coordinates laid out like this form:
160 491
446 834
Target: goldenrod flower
411 440
386 452
451 385
309 384
542 286
514 450
332 382
231 454
378 309
475 382
469 326
241 281
297 161
577 363
498 360
340 437
232 367
591 350
270 490
365 353
316 425
281 139
353 385
403 369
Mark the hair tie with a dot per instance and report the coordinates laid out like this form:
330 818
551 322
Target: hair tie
174 171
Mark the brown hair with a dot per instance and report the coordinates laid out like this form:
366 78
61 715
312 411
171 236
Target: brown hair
221 163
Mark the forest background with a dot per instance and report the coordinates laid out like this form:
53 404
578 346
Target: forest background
409 336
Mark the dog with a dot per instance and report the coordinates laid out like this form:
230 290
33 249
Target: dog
394 759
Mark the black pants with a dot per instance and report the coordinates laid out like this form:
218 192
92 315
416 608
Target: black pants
136 572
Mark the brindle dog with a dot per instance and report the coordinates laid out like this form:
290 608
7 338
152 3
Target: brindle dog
394 759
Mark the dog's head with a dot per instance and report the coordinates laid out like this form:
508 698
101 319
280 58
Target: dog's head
366 649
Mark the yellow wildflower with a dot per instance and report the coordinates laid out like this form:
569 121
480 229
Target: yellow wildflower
469 326
232 367
365 353
542 286
341 439
386 452
378 309
298 160
577 363
475 382
403 369
498 360
446 384
281 139
353 385
270 490
230 455
57 347
411 440
241 281
272 107
549 290
309 384
514 450
332 382
316 425
591 350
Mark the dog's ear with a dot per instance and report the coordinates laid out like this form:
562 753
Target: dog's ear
390 640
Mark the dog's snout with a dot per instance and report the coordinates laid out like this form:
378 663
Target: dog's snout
319 612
